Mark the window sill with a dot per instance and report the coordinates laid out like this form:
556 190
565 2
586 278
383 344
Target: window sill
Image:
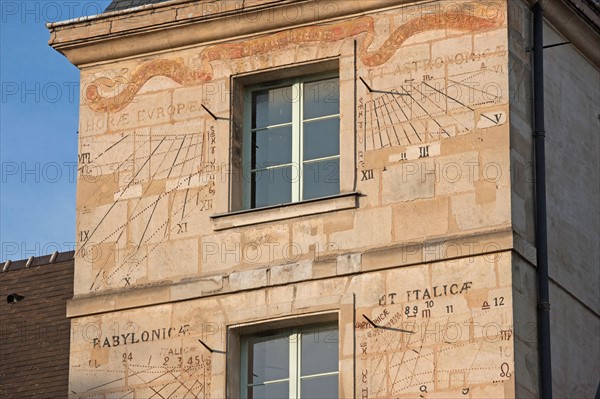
316 206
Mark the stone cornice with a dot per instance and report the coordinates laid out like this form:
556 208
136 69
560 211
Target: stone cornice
180 23
171 25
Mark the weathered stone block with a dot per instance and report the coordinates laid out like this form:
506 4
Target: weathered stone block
196 288
409 181
290 273
220 252
248 279
177 259
413 220
350 263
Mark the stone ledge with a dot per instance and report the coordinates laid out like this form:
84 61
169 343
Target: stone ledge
285 211
248 279
479 243
348 264
291 273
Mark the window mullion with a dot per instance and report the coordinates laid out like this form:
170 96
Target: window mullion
244 370
297 141
294 366
247 149
299 357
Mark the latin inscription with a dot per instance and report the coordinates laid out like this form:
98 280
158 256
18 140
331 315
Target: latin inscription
143 116
423 341
428 293
152 362
143 336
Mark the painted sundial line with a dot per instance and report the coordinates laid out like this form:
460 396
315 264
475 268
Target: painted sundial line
113 249
203 150
187 190
103 152
456 101
153 205
177 372
177 162
89 237
386 345
412 374
443 112
408 120
436 105
428 115
181 173
152 178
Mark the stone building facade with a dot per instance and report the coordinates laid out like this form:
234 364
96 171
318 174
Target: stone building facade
313 198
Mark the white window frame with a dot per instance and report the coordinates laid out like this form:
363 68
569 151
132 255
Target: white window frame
297 133
295 362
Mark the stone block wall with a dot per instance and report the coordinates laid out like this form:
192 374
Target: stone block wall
156 167
449 322
418 240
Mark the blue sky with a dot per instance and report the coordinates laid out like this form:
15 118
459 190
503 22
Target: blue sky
38 129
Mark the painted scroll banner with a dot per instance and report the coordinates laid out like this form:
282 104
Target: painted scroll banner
467 20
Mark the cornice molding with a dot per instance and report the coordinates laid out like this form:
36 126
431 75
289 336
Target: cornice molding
172 25
177 24
571 24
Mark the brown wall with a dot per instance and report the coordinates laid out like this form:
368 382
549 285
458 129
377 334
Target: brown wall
34 332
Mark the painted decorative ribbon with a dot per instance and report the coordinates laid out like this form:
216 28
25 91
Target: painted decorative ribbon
176 70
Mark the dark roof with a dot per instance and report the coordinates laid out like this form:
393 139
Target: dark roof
117 5
35 333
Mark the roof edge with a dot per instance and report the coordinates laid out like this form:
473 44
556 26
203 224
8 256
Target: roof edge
35 261
112 14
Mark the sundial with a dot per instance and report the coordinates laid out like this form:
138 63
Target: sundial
165 362
419 112
147 186
451 339
144 188
423 111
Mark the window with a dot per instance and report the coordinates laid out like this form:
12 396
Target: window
291 141
300 363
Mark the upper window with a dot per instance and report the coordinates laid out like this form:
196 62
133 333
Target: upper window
292 141
291 364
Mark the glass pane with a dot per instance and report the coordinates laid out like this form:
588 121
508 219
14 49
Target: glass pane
272 147
319 387
268 359
280 390
321 98
319 351
321 138
273 186
321 179
272 107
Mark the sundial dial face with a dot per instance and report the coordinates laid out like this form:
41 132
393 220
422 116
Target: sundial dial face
452 338
428 110
141 356
139 189
437 86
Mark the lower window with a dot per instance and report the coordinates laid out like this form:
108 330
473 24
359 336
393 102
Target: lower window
298 363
